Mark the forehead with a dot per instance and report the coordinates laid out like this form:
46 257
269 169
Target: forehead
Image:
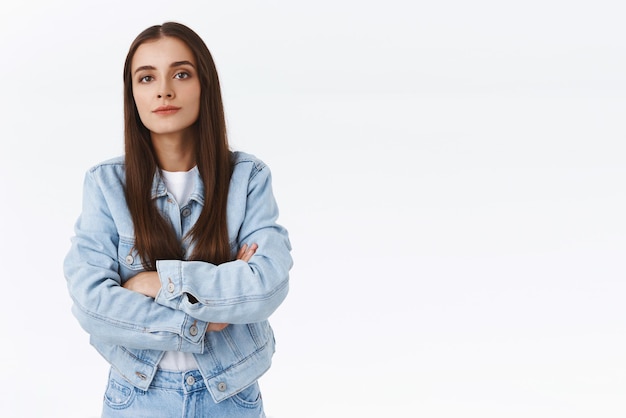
162 52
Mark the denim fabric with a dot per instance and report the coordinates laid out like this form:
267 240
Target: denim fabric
176 394
132 331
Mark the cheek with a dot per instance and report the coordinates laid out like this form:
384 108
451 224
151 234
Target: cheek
193 95
140 102
197 104
192 104
143 109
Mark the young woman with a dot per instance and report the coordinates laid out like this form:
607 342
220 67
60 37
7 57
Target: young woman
177 260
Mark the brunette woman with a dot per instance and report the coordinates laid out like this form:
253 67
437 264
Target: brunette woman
177 260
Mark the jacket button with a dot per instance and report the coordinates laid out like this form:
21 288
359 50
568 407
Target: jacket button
129 259
186 212
193 330
190 380
221 386
170 287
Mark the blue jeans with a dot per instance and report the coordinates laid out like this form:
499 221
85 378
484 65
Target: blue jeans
176 394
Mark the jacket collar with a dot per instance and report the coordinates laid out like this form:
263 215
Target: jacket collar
159 189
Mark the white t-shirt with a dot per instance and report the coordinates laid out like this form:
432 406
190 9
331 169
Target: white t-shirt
180 184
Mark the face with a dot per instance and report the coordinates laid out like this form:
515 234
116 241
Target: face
166 86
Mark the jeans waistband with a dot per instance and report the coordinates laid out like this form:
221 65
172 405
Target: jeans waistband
187 381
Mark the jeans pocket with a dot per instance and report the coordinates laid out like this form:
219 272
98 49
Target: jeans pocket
250 397
119 393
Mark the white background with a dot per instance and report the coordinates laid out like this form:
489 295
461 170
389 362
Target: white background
451 173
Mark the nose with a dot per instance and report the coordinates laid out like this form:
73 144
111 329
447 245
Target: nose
165 91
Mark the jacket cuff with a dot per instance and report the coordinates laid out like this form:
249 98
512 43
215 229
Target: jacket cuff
171 295
170 276
193 334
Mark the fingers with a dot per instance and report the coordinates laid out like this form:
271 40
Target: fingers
250 252
216 326
246 252
242 251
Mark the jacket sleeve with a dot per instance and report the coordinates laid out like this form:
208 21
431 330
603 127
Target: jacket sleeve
102 306
236 292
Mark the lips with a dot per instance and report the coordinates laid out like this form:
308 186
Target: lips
166 110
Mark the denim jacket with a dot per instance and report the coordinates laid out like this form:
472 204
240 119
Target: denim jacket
132 331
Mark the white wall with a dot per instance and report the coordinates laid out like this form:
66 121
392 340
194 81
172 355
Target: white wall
451 173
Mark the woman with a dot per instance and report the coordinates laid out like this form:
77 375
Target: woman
177 260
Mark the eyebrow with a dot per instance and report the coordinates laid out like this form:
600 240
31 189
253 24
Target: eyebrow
172 65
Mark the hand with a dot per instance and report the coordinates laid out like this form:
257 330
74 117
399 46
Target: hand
147 283
245 253
215 327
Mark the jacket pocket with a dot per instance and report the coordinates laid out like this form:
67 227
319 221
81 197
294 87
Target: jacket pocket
260 333
237 342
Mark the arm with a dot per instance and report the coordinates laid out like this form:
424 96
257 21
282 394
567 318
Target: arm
148 283
102 306
236 292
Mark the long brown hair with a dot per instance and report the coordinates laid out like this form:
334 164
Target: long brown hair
155 237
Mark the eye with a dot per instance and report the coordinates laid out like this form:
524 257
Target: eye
146 79
182 75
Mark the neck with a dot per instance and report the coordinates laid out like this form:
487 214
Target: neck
174 152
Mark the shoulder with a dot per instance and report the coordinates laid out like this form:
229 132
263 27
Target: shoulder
108 172
247 163
112 164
